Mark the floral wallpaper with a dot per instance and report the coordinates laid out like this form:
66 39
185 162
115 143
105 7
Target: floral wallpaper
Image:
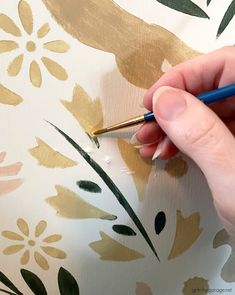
86 215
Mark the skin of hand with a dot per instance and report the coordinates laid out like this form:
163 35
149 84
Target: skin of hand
204 133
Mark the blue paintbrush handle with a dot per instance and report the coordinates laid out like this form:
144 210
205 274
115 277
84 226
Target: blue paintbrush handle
207 97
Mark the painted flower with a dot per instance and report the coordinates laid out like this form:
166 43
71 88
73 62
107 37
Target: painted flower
8 185
33 244
32 44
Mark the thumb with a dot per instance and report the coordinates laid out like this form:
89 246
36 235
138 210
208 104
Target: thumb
197 131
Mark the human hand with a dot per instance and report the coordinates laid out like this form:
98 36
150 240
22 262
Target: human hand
206 134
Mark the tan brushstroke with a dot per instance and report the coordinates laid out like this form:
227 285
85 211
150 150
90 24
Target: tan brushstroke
23 226
70 205
87 112
52 238
35 74
196 285
13 249
49 157
143 289
7 45
187 232
40 228
12 236
57 46
7 186
54 252
141 167
15 66
11 169
41 261
110 249
140 48
7 25
228 271
176 167
25 258
55 69
26 16
9 97
43 31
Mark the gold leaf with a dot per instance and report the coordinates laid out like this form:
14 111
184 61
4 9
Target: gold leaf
25 257
23 226
35 74
41 261
40 228
70 205
9 97
15 66
52 239
7 45
43 31
141 168
13 249
57 46
54 69
176 167
110 249
7 25
196 283
26 16
87 112
50 158
187 232
54 252
12 236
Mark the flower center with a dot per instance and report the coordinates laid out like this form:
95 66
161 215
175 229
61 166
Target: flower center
31 243
30 46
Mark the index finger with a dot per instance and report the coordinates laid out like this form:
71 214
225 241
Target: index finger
198 75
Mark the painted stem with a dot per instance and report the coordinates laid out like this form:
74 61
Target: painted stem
7 292
111 185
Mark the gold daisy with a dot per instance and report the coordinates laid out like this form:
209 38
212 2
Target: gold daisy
31 45
33 245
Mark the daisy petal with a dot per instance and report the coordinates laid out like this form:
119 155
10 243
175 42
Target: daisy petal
25 257
43 31
55 69
26 16
12 236
41 226
52 239
7 25
15 66
13 249
35 74
57 46
54 252
41 261
7 45
23 226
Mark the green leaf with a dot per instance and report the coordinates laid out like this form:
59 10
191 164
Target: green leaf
229 14
34 283
89 186
124 230
112 186
208 2
160 222
185 6
67 283
9 284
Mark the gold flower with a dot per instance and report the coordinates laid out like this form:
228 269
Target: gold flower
32 44
34 245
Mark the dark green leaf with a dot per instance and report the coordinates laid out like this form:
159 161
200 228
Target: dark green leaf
112 186
89 186
229 14
7 292
34 283
185 6
160 222
9 284
67 283
208 2
123 230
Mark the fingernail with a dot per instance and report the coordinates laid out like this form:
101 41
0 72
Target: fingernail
134 140
161 146
169 103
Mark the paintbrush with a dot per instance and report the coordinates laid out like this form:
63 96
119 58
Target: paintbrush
207 97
